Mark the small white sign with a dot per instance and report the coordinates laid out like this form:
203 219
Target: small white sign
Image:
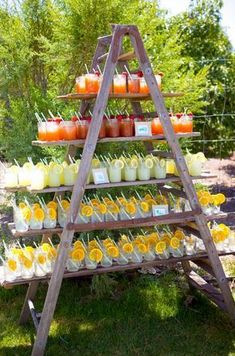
159 210
100 175
143 128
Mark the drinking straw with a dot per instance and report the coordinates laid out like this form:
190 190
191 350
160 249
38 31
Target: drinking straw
84 244
58 200
110 156
107 117
52 115
44 117
78 116
110 197
27 203
99 218
128 71
35 244
90 113
30 160
140 198
86 68
70 159
60 116
51 243
16 163
172 197
14 204
5 246
18 243
116 71
98 241
38 117
99 69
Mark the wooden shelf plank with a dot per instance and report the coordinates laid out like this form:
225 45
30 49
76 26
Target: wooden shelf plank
113 139
115 268
32 232
168 179
127 96
173 218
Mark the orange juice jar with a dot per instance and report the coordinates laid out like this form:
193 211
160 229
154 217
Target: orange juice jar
68 130
42 131
112 128
52 131
102 132
133 84
119 84
126 127
80 85
92 83
157 128
186 123
176 124
82 127
144 89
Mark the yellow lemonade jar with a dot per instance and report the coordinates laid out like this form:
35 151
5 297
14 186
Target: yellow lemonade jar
11 177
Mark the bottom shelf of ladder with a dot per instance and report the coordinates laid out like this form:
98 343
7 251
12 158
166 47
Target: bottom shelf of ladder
114 268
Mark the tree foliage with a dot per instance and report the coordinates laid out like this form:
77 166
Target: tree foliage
44 45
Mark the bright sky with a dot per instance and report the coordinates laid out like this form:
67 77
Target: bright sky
228 14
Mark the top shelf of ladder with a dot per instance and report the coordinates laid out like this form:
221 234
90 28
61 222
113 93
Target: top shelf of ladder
113 139
134 97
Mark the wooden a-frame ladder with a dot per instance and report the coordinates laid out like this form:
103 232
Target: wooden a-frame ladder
114 42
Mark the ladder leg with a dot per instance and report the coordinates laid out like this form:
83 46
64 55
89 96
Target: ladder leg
183 170
77 195
187 269
31 293
216 266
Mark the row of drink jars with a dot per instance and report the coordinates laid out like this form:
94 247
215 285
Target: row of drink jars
28 262
126 168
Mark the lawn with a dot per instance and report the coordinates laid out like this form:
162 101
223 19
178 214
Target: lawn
143 315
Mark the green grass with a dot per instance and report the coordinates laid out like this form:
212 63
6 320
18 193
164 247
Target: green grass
144 316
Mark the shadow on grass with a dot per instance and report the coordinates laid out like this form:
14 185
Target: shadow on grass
146 316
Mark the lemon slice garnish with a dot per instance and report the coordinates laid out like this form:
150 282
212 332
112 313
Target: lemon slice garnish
118 163
134 163
148 163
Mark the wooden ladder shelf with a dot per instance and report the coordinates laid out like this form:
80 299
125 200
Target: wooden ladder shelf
109 49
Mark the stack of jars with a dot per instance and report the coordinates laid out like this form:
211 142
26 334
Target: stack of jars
121 83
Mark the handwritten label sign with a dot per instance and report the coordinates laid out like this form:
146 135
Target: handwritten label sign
159 210
143 128
100 175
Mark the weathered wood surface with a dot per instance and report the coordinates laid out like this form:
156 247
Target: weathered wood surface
113 139
170 178
182 167
127 96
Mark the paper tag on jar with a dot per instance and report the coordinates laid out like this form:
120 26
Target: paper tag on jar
159 210
143 128
100 175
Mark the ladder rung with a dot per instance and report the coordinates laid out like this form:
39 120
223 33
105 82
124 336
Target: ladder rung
207 289
122 58
163 154
203 263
